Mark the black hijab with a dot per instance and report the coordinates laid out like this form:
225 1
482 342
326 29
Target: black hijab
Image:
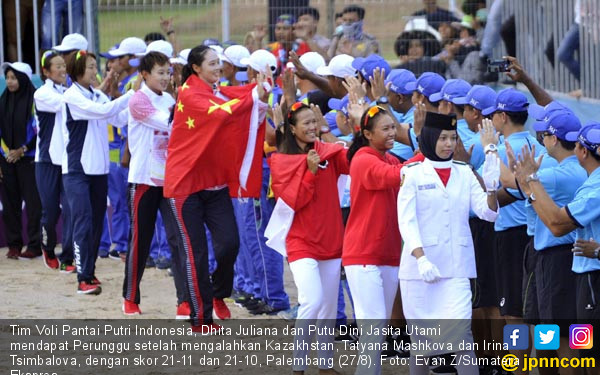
434 124
16 111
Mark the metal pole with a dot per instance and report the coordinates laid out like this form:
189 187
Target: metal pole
1 37
330 17
89 25
70 15
53 22
18 17
36 36
225 17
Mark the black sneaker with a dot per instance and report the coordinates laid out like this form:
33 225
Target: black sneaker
253 304
150 263
114 254
163 263
264 309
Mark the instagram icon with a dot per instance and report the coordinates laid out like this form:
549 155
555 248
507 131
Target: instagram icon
581 336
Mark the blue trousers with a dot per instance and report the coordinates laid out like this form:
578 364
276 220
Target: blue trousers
86 195
50 187
61 13
244 275
118 228
567 48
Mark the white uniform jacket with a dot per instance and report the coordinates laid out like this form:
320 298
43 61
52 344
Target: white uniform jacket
85 130
436 218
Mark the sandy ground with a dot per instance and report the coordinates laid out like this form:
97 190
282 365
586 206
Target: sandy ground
32 291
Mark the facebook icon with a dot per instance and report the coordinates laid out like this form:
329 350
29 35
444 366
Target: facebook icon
516 336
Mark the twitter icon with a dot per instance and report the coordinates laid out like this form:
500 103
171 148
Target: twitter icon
546 337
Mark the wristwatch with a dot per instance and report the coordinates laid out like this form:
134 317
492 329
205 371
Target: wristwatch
532 177
490 148
325 129
383 100
531 198
597 253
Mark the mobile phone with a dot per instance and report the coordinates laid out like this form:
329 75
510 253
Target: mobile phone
498 66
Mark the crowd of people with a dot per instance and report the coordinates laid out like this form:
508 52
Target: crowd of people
421 198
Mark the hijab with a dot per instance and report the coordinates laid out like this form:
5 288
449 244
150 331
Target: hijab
16 111
434 124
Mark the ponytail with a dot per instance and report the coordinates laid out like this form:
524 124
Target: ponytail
359 142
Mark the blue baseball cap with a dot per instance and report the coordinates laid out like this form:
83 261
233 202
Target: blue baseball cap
479 97
588 136
330 118
453 88
367 65
539 112
558 122
399 78
339 104
508 100
428 83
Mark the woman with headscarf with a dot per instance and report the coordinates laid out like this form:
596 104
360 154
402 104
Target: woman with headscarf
438 258
17 130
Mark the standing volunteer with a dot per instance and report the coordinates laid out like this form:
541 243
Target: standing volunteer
438 258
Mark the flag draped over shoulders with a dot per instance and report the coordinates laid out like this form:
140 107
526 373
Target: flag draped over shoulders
288 171
215 141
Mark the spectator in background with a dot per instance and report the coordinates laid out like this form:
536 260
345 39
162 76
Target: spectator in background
339 19
17 168
306 30
350 38
286 41
415 50
61 18
25 17
434 14
570 44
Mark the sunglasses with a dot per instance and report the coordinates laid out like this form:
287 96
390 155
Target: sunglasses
542 135
296 106
371 113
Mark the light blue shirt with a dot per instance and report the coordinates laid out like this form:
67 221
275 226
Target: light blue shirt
400 149
514 214
346 197
560 182
585 212
462 128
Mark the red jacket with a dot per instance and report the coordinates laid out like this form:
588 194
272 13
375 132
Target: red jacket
372 233
317 231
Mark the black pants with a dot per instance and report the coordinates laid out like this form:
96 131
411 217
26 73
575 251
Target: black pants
144 203
50 186
18 185
213 209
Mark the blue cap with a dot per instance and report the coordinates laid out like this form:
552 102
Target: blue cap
428 83
330 118
399 78
241 76
588 136
453 88
508 100
339 104
558 122
211 42
539 112
366 66
107 54
479 97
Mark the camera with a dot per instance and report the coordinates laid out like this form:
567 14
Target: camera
498 66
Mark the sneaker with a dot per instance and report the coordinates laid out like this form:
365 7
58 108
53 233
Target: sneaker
67 268
131 308
208 329
163 263
86 287
220 309
349 335
289 314
150 263
95 281
183 311
117 255
265 309
170 271
103 253
50 260
30 254
252 303
242 298
13 252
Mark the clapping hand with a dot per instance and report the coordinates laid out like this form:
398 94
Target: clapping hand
488 133
491 172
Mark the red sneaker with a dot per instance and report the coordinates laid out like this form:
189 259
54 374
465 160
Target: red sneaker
220 309
29 254
208 329
95 281
88 288
131 308
49 261
67 268
183 311
13 252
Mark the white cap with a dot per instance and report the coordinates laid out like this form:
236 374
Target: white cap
129 46
234 55
72 42
312 61
339 66
217 48
259 59
421 24
161 46
19 67
181 58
